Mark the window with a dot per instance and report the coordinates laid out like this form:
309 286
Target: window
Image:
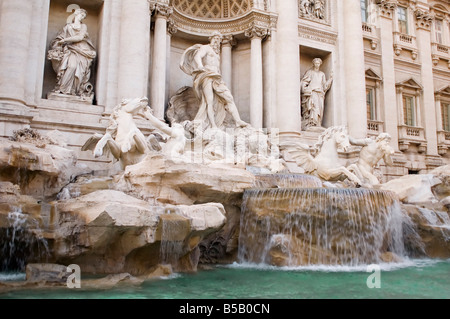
402 20
409 111
371 106
364 10
446 116
438 26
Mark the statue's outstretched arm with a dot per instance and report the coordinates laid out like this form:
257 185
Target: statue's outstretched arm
360 142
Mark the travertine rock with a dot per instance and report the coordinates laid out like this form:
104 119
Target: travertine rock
164 181
414 188
40 172
111 232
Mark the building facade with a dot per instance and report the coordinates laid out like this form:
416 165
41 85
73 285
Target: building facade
389 61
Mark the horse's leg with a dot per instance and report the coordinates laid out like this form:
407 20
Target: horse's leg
114 148
141 143
336 172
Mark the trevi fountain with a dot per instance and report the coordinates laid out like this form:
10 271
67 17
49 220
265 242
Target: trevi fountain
207 193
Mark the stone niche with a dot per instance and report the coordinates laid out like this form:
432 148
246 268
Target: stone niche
307 55
240 82
58 13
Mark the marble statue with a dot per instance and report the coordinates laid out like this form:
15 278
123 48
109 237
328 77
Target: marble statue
314 86
325 163
202 62
127 143
72 54
371 153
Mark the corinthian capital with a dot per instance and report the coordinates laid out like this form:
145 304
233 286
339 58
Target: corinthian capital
161 8
256 32
387 7
424 19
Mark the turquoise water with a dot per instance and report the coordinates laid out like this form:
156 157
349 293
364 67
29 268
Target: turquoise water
417 279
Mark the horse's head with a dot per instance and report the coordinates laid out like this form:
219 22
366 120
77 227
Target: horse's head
342 140
134 105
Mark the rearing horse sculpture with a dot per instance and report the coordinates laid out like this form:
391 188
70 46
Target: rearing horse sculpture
325 163
126 142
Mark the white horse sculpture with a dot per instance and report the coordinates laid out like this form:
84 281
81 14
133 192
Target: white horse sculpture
325 163
124 139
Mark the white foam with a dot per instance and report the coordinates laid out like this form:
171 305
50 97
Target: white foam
407 263
12 276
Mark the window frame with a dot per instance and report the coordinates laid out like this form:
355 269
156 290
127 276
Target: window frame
405 21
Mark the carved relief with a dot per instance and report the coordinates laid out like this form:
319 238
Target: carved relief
315 10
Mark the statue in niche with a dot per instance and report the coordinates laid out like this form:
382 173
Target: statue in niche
202 62
127 143
314 86
371 153
72 54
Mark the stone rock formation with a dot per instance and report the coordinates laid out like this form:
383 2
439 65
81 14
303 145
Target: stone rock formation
426 201
111 232
40 170
161 180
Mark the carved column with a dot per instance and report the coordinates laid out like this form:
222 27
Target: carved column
171 30
227 59
134 49
288 69
423 23
158 77
354 70
256 34
386 14
15 29
269 76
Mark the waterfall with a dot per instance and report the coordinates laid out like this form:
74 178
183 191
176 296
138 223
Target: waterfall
172 240
312 226
21 242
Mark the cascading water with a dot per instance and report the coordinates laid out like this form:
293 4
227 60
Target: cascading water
172 240
313 226
21 242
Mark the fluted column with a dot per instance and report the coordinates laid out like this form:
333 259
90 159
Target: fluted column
288 67
256 35
387 12
354 70
227 59
424 21
15 30
134 49
158 77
